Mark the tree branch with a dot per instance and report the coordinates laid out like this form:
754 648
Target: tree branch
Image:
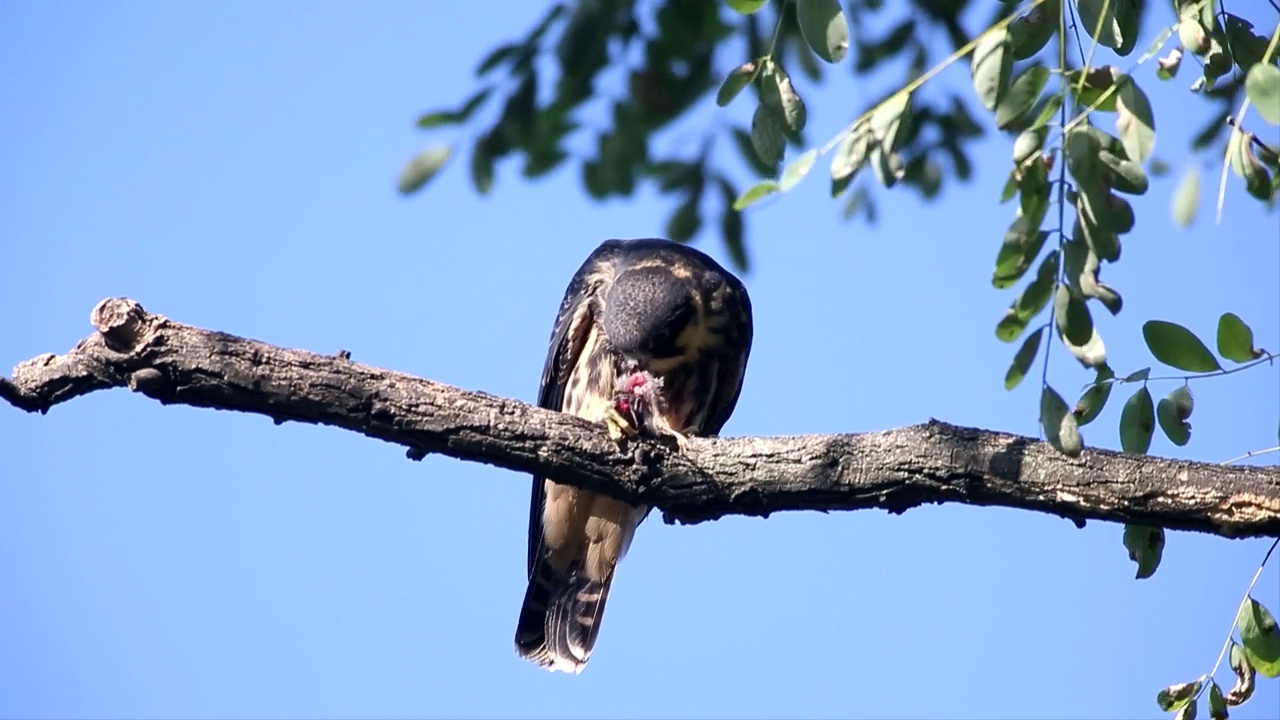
894 470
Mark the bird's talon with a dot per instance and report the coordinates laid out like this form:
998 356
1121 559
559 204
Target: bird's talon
682 441
618 426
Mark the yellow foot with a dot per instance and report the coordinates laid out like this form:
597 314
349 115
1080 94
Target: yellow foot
618 426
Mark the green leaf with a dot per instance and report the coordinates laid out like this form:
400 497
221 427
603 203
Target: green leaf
1119 217
1103 243
1010 187
540 161
1097 84
1081 149
1022 244
685 221
1260 638
482 166
1059 424
887 117
1243 689
767 137
1176 696
747 7
1031 31
422 168
824 28
746 148
849 158
737 79
437 119
1091 353
1030 301
731 226
1172 413
1186 199
1072 316
991 67
1047 111
1193 19
1123 175
1262 86
1022 95
1246 47
1127 25
1090 404
754 194
796 170
1022 360
473 103
1137 375
1033 189
1216 63
1082 267
1217 704
1098 19
839 185
455 117
1145 545
1137 423
1244 162
777 92
1178 347
495 58
1235 339
1135 121
887 166
1028 143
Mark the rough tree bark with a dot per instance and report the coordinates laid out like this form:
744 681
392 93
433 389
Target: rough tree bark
893 470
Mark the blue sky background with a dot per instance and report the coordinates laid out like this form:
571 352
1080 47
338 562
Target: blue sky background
232 165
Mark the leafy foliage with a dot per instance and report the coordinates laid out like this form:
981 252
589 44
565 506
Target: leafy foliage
1055 109
1260 638
1145 545
1057 77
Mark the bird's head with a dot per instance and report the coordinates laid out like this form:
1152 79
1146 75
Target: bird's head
645 312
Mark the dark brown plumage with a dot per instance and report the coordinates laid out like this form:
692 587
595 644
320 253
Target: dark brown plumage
635 306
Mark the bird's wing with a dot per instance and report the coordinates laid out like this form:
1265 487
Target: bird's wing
569 335
730 355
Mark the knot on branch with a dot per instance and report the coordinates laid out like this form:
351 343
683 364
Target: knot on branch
121 322
149 382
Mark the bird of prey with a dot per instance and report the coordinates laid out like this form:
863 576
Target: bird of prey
652 337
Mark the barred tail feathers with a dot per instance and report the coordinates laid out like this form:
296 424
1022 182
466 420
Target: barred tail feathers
568 588
560 618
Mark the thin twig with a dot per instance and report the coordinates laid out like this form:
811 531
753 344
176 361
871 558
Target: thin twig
1231 632
1093 46
1251 453
1062 195
1268 357
1271 154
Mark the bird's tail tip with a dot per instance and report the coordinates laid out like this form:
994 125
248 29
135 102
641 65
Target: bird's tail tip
545 658
559 619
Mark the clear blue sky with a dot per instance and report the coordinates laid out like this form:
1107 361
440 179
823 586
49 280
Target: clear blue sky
232 165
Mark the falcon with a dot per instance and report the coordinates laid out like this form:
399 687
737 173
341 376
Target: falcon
652 338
